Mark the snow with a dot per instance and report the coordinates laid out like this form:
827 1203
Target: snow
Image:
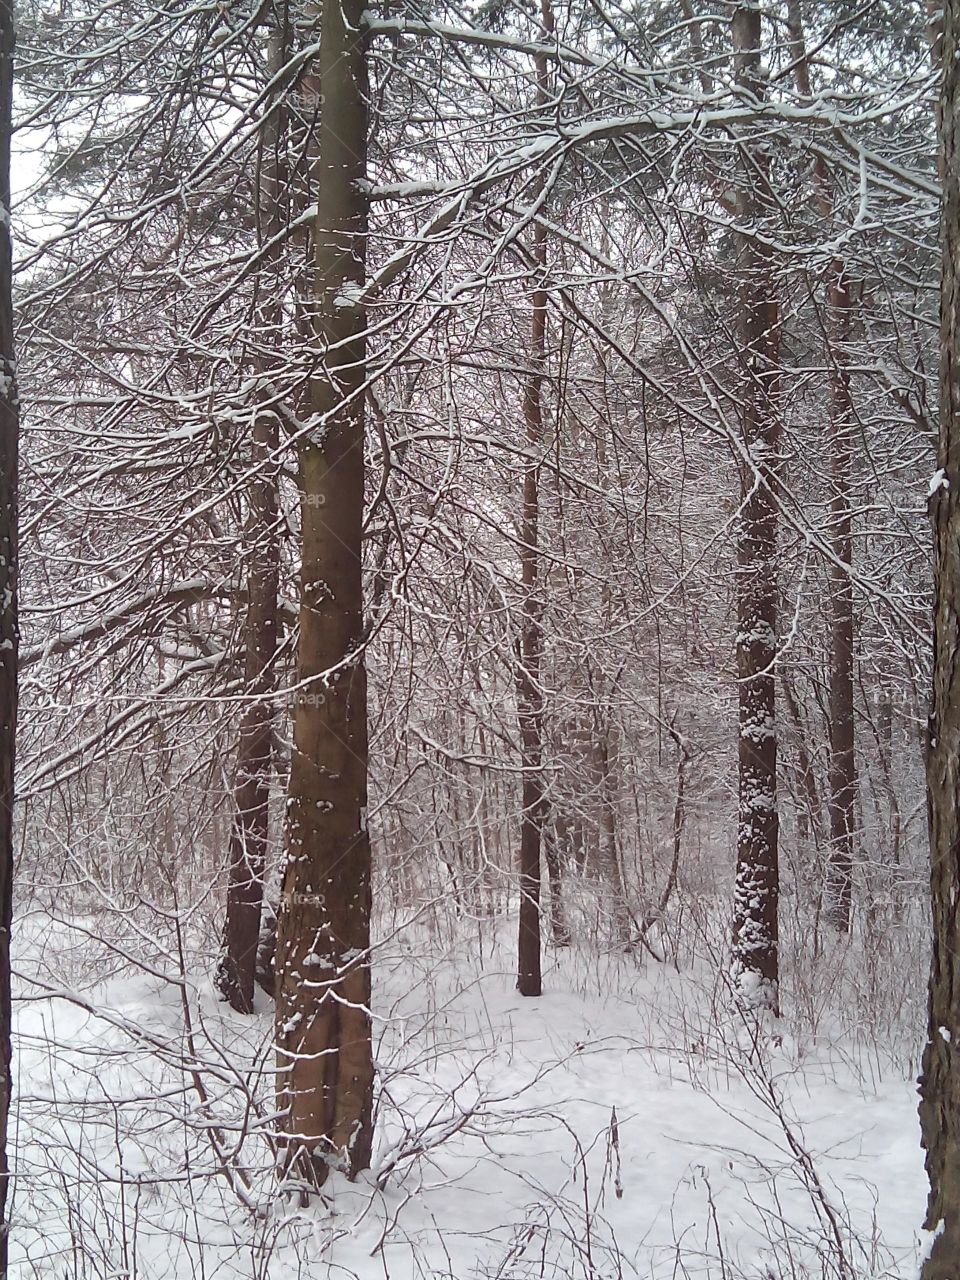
939 480
496 1152
349 296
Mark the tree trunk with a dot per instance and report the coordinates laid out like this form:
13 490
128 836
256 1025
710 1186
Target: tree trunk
250 835
9 630
325 1064
940 1073
842 774
756 893
530 688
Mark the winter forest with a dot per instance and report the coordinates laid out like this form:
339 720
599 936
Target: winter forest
480 639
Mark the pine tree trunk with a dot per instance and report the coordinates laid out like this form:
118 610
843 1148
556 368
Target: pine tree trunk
9 630
325 1063
940 1074
756 892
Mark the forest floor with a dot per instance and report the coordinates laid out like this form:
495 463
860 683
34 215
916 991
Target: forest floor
620 1125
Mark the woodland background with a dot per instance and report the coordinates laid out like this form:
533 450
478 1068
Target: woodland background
640 339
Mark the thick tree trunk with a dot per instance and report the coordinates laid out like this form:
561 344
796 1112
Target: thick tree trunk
325 1062
756 892
9 631
940 1075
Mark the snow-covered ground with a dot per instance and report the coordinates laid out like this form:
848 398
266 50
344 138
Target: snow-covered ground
621 1125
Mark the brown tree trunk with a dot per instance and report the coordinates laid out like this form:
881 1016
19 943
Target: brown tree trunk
9 630
842 774
756 892
940 1074
250 835
324 1054
530 688
249 838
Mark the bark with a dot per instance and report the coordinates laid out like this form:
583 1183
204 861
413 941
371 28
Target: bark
325 1064
249 940
940 1073
530 687
250 834
843 770
756 892
9 630
249 838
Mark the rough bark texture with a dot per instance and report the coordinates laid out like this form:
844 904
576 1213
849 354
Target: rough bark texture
940 1075
324 1051
756 892
9 632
